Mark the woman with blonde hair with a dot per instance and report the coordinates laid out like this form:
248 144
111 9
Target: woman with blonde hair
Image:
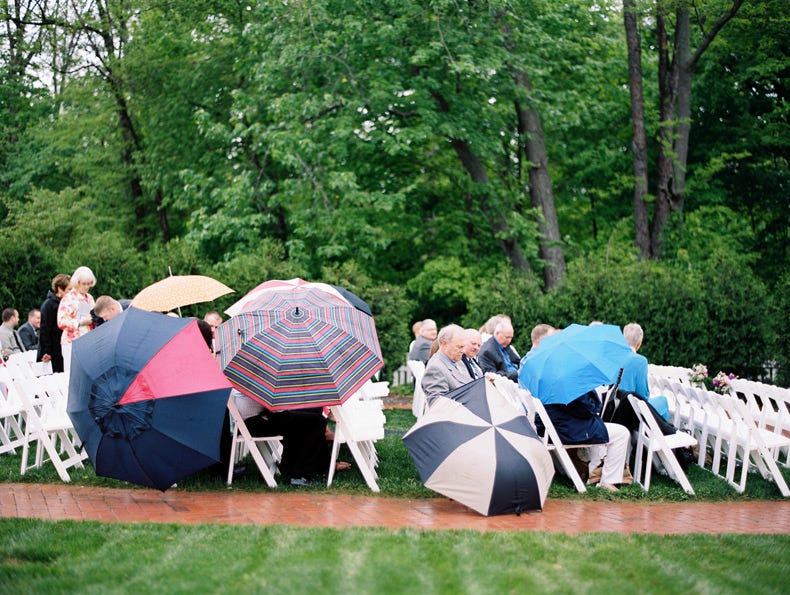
74 311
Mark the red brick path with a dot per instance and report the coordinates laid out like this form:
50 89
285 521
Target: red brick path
45 501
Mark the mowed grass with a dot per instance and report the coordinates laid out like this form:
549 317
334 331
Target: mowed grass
399 478
87 557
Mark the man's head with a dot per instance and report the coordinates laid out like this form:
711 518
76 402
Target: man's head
415 328
472 342
11 317
34 318
107 307
60 284
633 334
503 333
540 331
428 329
451 341
214 319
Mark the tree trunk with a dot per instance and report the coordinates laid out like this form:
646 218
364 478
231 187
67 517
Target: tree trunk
639 142
477 172
666 90
540 189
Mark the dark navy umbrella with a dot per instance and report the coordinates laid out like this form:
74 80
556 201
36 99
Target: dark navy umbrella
147 398
475 447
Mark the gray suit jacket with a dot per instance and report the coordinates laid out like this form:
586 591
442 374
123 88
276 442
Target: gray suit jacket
442 376
7 340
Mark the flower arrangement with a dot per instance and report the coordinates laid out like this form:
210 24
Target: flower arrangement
721 383
698 374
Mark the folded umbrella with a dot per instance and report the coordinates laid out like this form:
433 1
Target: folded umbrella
147 398
473 446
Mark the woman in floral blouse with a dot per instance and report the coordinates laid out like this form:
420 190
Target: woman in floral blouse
74 317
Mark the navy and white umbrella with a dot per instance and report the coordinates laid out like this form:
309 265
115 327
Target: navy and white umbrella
473 446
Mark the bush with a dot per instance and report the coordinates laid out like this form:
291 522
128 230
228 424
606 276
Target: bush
28 267
716 314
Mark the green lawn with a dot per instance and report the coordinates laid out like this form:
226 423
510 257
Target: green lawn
88 557
71 557
398 477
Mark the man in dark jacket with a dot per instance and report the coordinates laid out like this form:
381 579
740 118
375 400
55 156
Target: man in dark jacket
29 330
498 355
49 334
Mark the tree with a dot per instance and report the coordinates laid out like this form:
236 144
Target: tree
676 68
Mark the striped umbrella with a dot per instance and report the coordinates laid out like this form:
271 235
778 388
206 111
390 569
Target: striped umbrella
289 285
298 347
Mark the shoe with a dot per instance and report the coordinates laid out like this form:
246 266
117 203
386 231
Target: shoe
582 468
342 466
238 470
608 487
300 482
595 476
628 479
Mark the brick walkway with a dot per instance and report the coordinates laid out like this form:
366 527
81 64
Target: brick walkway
45 501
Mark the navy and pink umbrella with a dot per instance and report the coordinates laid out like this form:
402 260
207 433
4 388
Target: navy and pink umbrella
147 398
295 344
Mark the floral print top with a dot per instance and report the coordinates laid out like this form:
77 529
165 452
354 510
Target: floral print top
74 306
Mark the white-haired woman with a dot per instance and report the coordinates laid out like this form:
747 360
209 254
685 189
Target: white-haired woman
74 311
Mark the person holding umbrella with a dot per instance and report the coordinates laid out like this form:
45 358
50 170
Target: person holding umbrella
445 371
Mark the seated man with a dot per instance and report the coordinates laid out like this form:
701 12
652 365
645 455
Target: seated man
498 355
634 378
106 308
540 331
29 331
579 422
472 342
444 371
305 449
422 345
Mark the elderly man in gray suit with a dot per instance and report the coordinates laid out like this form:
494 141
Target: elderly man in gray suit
445 370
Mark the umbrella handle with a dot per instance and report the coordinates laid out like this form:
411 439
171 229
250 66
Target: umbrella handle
612 390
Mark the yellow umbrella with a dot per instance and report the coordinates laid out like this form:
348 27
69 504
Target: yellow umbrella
179 290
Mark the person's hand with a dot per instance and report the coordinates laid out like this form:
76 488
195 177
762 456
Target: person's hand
86 321
46 357
491 376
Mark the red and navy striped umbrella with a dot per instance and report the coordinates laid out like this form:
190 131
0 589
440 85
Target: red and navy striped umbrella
298 347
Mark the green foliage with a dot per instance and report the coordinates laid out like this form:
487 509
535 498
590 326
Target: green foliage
28 267
780 320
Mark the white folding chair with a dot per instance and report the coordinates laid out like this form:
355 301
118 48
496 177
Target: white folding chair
266 451
374 390
419 403
359 424
751 444
551 440
770 407
650 441
12 436
48 425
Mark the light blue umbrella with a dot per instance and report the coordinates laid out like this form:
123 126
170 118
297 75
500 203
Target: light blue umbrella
574 361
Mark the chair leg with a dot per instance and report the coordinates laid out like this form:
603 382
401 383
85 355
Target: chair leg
333 458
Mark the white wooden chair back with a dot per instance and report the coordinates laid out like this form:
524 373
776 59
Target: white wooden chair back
419 403
650 441
266 451
359 424
48 425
